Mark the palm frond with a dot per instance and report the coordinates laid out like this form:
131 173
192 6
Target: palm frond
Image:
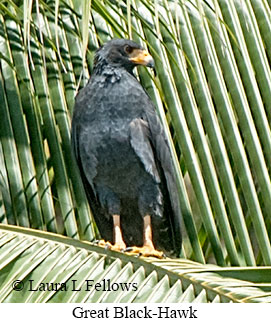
212 91
32 260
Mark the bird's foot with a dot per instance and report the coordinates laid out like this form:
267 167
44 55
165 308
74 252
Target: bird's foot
119 246
145 251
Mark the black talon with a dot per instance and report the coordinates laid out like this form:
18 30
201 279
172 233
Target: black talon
128 249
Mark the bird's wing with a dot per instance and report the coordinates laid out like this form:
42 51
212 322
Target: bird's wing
139 133
163 153
148 139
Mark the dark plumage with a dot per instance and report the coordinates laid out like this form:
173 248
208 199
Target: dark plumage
123 155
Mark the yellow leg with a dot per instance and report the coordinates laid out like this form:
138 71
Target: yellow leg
119 244
147 232
148 249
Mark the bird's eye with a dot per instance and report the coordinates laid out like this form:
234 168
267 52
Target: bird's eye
128 49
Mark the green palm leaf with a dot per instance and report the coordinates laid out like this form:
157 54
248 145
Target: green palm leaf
34 258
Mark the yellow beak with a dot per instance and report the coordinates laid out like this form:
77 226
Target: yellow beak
141 57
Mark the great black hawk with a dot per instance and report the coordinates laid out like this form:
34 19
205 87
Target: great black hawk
123 155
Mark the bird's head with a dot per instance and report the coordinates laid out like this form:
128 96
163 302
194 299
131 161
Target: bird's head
123 53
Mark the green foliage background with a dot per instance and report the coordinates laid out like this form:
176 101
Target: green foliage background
213 93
